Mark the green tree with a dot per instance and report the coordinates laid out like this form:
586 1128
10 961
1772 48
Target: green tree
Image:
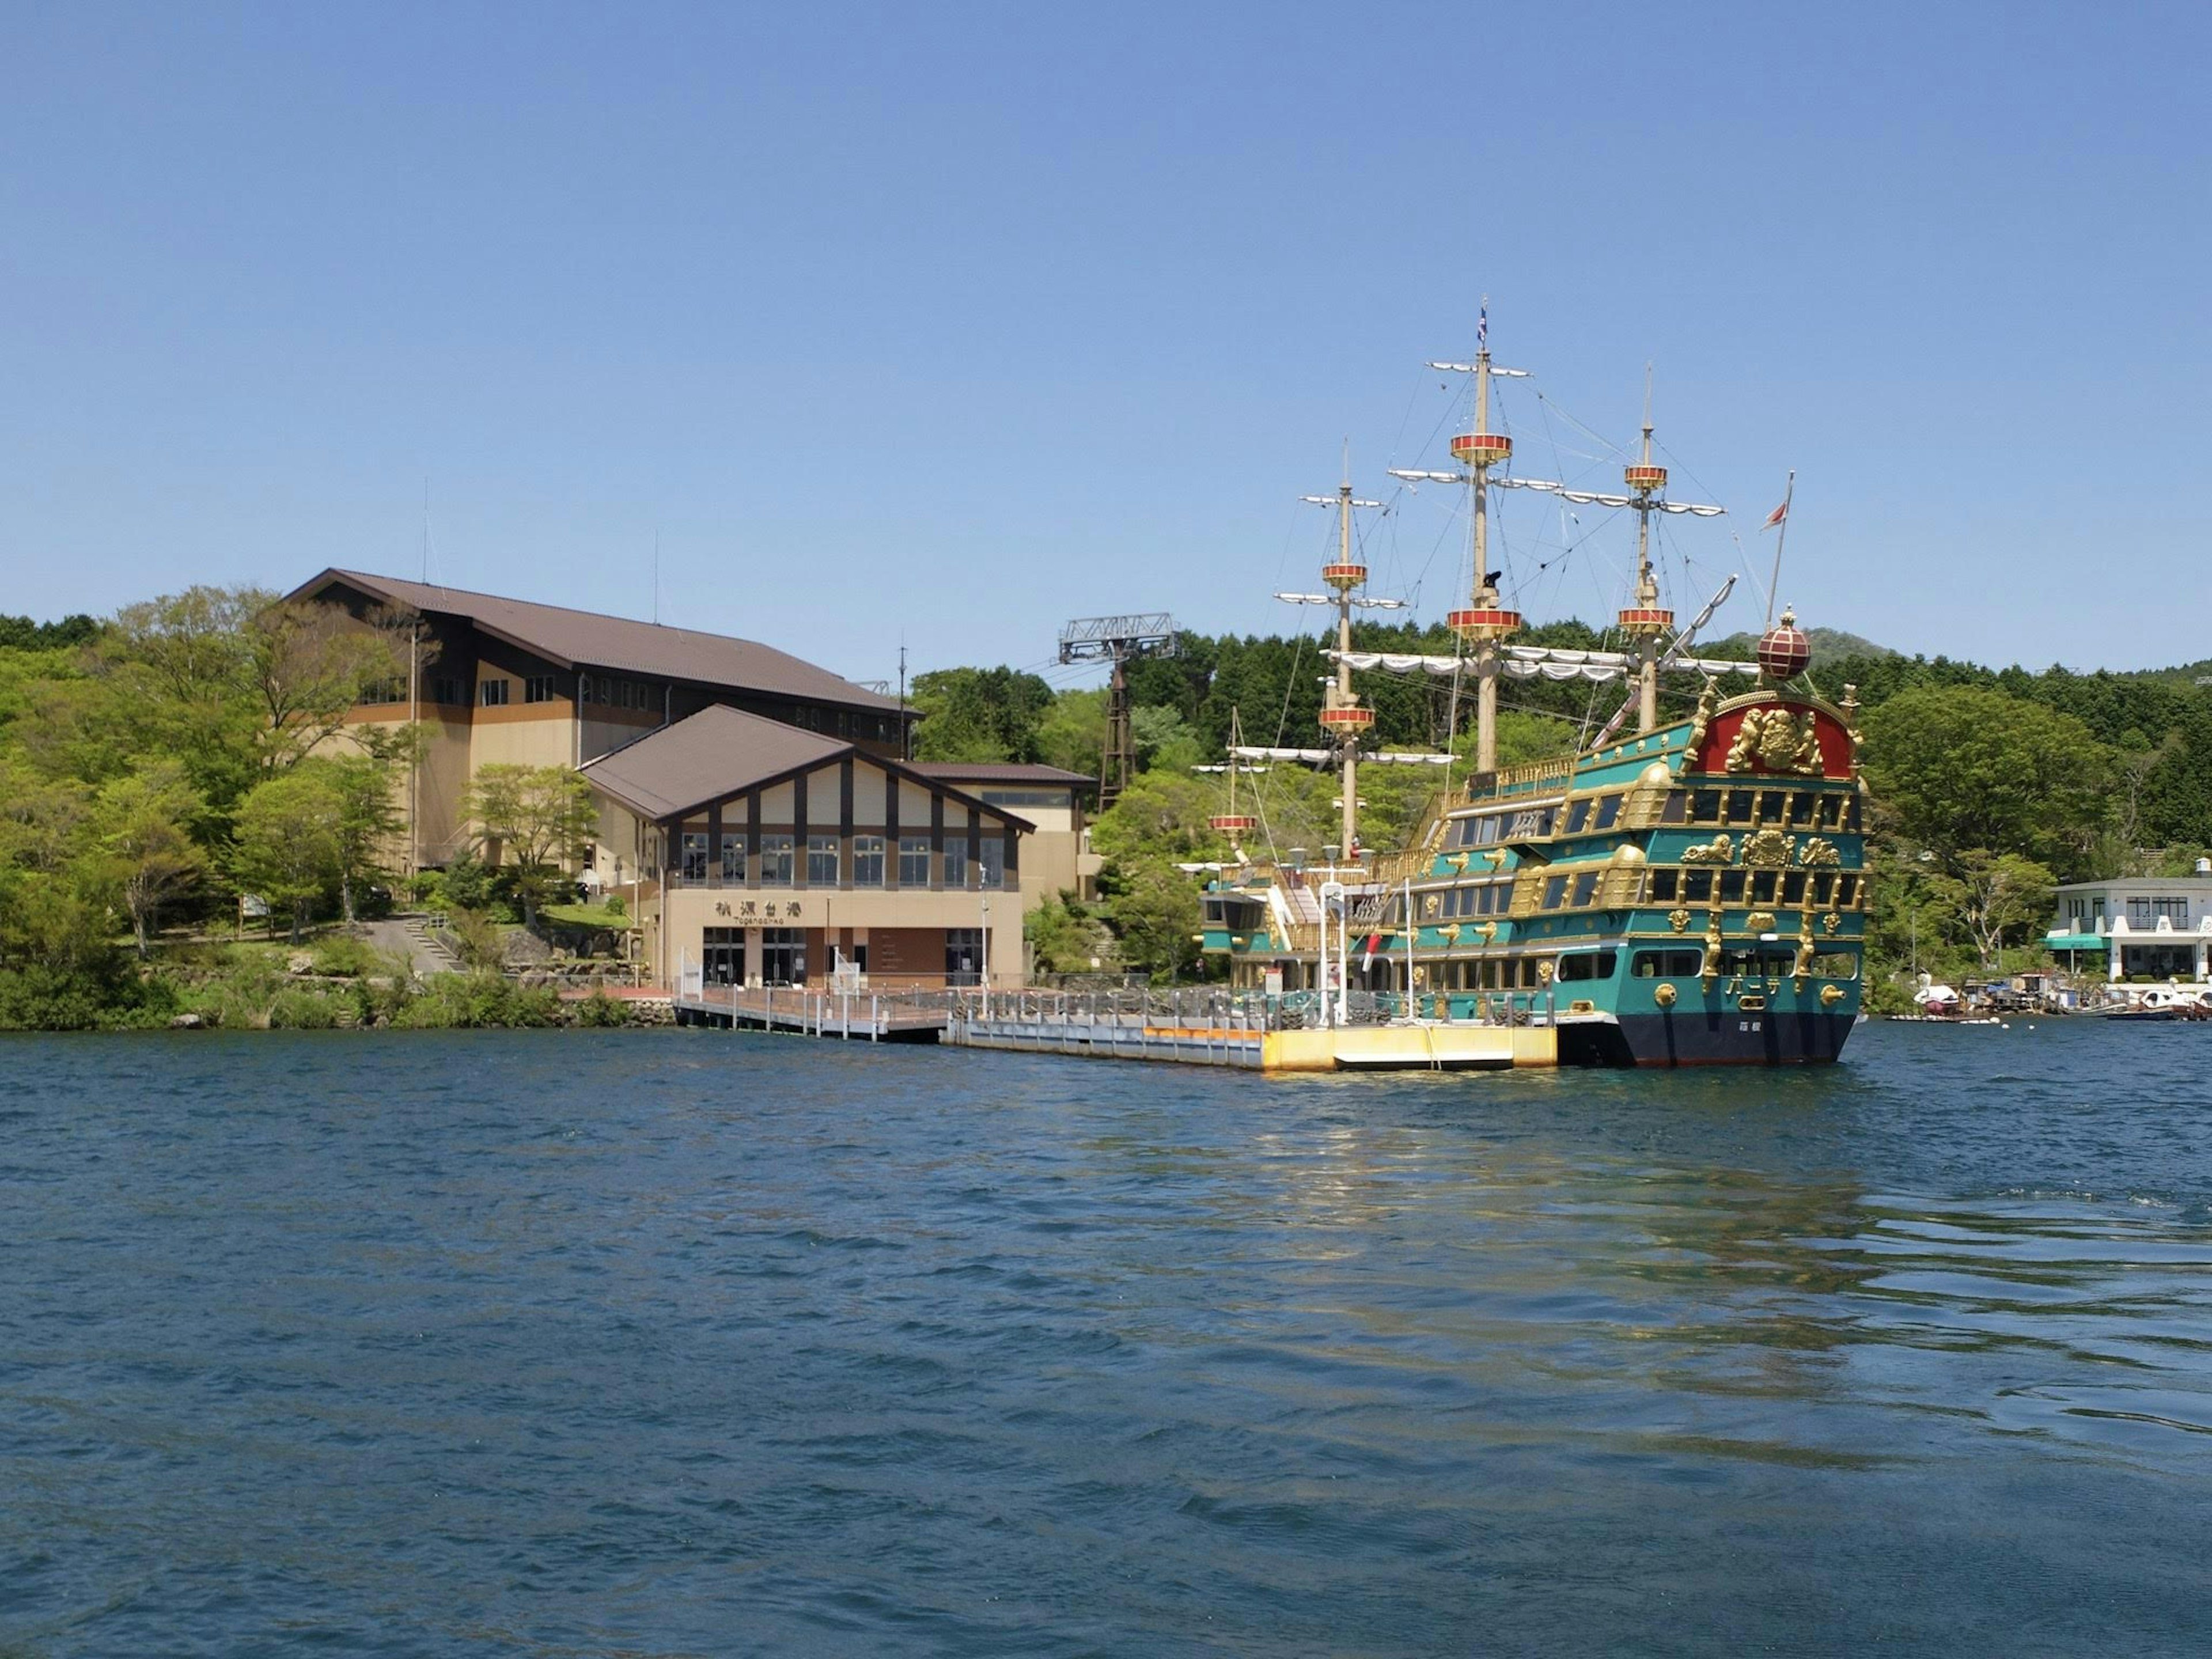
540 817
1073 733
368 821
1996 896
979 714
1156 916
1962 768
285 842
144 821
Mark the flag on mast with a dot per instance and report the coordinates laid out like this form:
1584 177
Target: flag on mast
1779 516
1482 329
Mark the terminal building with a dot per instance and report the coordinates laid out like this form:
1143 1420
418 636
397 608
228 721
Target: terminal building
754 812
762 855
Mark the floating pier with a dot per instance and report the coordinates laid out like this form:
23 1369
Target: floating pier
851 1016
1241 1031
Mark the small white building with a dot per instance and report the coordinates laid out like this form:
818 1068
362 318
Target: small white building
2157 926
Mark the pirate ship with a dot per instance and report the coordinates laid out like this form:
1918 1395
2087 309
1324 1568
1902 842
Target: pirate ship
1689 893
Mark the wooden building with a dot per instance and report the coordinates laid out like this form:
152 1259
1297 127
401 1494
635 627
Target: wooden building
496 679
765 855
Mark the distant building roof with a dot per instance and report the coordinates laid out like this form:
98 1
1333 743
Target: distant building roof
720 751
999 772
573 637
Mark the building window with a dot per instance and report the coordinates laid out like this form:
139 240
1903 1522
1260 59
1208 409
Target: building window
822 861
695 855
381 691
583 687
2144 913
993 861
539 688
494 693
867 860
448 689
783 955
914 861
963 956
956 862
733 859
775 861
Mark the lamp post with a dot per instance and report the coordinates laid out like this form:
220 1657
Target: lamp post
987 956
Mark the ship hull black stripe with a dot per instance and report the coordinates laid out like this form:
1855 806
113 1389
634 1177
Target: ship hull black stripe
1701 1038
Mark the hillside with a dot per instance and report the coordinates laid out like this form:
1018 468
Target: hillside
1829 644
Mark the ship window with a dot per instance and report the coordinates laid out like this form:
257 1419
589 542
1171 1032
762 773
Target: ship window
1577 816
1668 964
1587 964
1846 890
1739 806
1832 810
1483 831
1801 807
1697 885
1608 812
1793 887
1585 888
1554 891
1769 806
1529 978
1762 887
1823 884
1731 887
1663 884
1836 965
1706 806
1675 808
1769 963
1851 814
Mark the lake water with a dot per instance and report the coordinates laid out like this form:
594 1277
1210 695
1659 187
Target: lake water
695 1343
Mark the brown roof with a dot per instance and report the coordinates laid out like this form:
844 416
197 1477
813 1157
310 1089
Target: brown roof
570 637
999 772
715 752
720 751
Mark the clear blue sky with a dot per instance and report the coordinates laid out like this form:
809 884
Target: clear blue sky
952 322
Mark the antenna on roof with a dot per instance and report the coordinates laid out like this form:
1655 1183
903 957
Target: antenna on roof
906 728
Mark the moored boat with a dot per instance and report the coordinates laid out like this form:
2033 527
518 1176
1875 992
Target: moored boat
1689 893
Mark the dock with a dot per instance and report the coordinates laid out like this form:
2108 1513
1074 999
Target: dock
850 1016
1205 1026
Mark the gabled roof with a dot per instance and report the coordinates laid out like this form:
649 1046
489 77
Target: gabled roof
705 757
722 751
571 638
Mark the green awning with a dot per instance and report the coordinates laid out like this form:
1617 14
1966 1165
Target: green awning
2073 941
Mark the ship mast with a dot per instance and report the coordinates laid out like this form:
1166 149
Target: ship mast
1343 717
1487 624
1643 622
